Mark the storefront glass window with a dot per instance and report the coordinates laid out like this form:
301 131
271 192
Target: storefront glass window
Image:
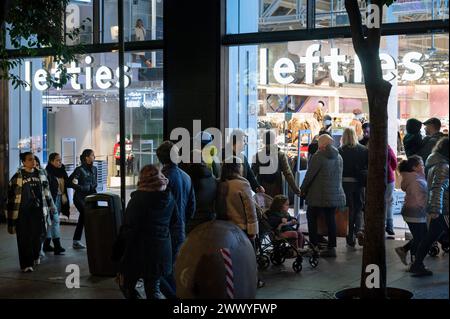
85 114
143 20
247 16
78 13
290 86
265 15
332 13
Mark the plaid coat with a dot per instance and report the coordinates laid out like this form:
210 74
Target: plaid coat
15 196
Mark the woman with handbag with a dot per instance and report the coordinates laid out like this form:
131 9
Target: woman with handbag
355 159
322 187
28 206
58 180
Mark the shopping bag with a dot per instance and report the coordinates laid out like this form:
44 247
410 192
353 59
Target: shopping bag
341 216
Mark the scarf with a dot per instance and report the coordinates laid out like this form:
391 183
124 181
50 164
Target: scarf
57 172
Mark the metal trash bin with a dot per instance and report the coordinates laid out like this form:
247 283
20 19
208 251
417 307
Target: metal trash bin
102 223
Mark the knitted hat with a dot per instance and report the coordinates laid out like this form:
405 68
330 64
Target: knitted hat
151 179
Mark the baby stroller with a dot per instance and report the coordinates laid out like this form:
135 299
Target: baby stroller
270 248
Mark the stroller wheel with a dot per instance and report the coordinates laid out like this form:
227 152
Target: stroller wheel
297 266
263 261
277 258
434 251
313 261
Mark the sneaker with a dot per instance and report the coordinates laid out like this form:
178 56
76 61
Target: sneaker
419 271
41 254
402 254
37 262
28 269
330 252
360 237
390 232
78 245
261 283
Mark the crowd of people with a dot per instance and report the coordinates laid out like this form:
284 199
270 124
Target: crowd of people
170 201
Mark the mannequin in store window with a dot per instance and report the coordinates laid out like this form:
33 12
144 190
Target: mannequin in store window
129 156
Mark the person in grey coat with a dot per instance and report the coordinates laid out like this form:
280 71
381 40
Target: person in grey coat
437 208
323 190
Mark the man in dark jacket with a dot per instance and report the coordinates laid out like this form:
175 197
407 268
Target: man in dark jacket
432 129
181 186
205 189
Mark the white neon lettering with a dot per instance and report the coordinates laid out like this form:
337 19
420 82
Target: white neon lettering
334 59
416 68
309 61
282 68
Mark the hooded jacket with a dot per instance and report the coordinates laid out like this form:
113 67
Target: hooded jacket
205 189
144 246
437 180
414 207
323 180
235 203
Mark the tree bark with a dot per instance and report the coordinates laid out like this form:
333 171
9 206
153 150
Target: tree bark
4 116
378 91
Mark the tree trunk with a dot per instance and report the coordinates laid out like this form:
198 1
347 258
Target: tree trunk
374 252
4 116
378 91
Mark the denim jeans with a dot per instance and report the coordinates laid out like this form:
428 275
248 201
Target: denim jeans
54 231
389 202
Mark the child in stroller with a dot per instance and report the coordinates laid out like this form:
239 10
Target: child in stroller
280 237
284 226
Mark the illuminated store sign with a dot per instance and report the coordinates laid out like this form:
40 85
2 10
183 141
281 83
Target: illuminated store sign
104 76
284 69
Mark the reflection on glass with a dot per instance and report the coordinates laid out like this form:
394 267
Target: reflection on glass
79 13
332 13
292 86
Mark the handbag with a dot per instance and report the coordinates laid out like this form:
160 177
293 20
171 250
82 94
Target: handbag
341 217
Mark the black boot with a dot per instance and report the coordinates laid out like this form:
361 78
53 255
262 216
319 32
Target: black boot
47 247
58 249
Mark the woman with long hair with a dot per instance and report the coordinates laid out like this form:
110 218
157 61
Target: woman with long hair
355 159
84 181
28 206
58 180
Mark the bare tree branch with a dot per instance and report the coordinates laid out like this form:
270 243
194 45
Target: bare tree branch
356 26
